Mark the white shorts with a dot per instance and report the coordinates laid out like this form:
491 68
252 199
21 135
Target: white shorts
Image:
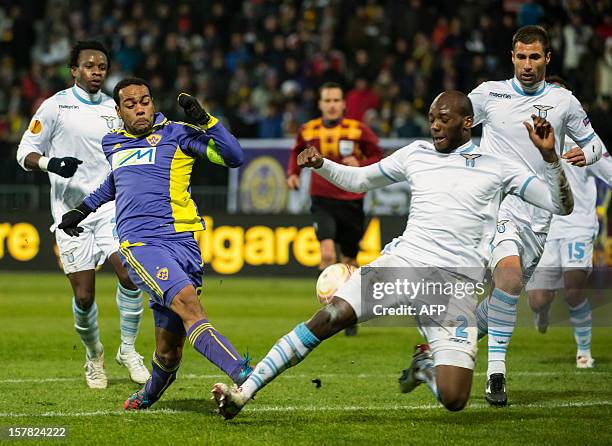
94 245
515 237
452 334
561 255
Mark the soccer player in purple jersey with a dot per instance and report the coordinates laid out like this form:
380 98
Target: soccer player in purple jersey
151 161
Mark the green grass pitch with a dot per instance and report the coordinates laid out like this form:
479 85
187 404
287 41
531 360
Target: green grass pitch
42 383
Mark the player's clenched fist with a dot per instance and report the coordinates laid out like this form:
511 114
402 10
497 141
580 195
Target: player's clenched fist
193 109
543 137
310 157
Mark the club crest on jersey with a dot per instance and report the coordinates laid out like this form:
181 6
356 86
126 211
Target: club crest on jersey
470 158
133 157
110 121
69 255
542 110
153 139
501 226
162 274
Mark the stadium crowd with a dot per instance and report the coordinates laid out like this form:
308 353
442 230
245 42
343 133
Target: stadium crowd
256 64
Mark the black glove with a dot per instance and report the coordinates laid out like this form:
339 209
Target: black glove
72 218
64 167
193 109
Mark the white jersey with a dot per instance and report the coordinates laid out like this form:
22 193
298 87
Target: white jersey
71 123
582 222
502 107
454 204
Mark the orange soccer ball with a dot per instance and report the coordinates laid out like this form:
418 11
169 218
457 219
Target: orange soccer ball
332 278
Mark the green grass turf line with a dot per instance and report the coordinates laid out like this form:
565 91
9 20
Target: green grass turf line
358 403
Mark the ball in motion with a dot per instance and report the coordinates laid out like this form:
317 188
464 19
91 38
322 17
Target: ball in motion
332 278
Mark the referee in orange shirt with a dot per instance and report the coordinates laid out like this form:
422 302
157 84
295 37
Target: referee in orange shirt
338 215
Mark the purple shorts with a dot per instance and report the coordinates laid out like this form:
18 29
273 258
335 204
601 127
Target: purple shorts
162 268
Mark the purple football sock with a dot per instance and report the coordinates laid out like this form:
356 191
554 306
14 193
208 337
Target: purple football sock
161 378
215 347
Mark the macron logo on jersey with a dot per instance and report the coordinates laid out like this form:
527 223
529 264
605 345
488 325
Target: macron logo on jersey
500 95
134 157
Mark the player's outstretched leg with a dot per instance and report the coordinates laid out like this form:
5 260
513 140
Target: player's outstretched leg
85 312
206 339
290 350
164 366
501 319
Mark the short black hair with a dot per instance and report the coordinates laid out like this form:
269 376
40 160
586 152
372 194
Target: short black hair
87 45
460 102
457 101
126 83
327 85
530 34
464 105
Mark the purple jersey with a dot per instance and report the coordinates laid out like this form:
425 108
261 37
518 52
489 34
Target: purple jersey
151 176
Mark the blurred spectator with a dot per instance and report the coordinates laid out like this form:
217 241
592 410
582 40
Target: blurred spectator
576 37
407 123
530 13
271 125
259 62
360 99
264 94
604 70
600 119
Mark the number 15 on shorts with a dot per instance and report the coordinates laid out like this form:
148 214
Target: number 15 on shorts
576 250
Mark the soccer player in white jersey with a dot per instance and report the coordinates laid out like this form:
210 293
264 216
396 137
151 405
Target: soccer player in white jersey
568 253
456 192
501 107
64 139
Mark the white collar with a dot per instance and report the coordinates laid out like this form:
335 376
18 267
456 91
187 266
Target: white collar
95 98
